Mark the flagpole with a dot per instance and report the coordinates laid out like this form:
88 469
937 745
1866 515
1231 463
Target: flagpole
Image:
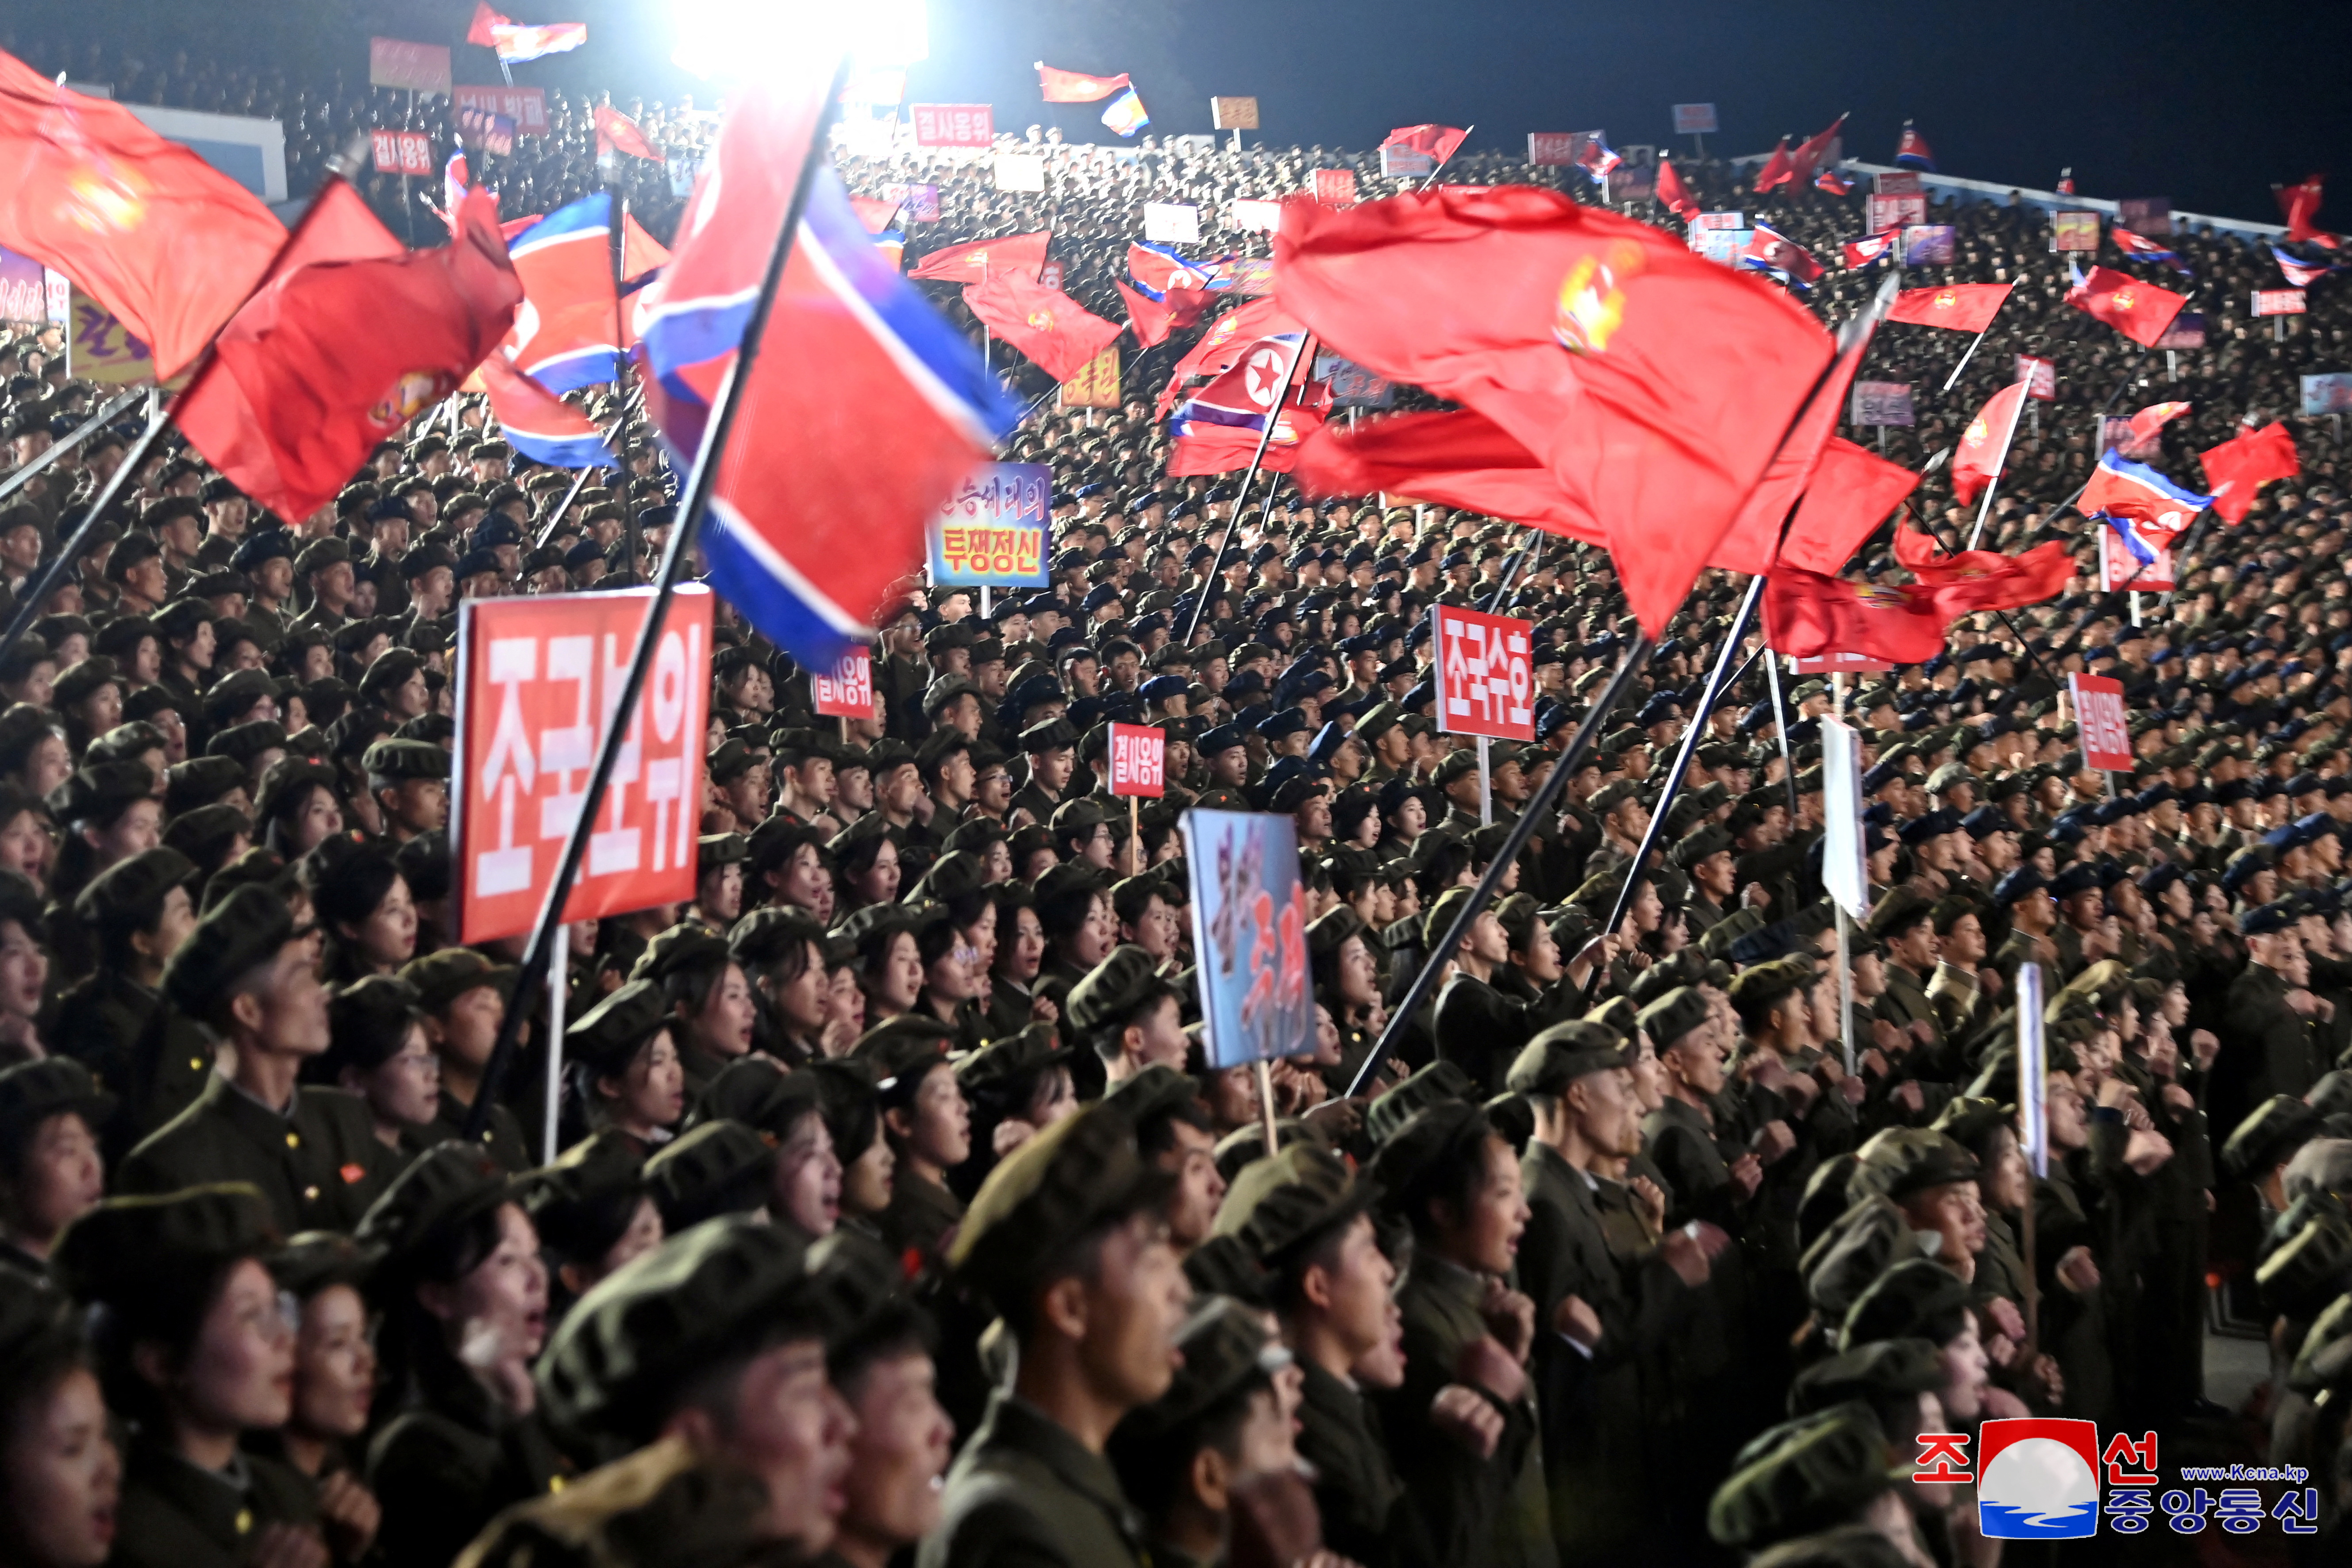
1440 167
699 484
1519 556
88 429
1781 731
40 586
1249 477
1636 654
620 214
578 480
1973 344
1992 485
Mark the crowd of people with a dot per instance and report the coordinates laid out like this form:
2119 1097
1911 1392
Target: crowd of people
901 1209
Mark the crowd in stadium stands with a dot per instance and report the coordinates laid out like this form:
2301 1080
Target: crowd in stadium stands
895 1166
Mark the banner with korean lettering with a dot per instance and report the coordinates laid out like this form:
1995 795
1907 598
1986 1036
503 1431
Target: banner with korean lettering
100 349
538 681
1353 385
1836 664
408 68
2146 214
1334 187
2040 375
2074 232
2279 302
24 292
1249 929
992 533
2101 722
847 692
1882 402
1139 761
1551 149
1929 244
1694 120
1882 212
526 105
1485 674
1096 384
953 125
402 153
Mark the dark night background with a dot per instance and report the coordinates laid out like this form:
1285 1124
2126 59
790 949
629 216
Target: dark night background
2209 104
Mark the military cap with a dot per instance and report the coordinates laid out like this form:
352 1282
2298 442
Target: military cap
1724 933
901 1051
31 1092
322 554
117 1251
713 850
608 1034
1051 735
1439 918
2265 919
1224 1348
1432 1085
1882 1369
1013 1059
1698 843
1409 1160
1802 1476
440 978
1673 1015
1457 764
314 1260
447 1186
1897 913
263 545
757 1092
1900 1162
1116 989
1610 797
630 1350
133 890
406 760
1081 1173
1915 1298
1151 1094
244 929
762 937
235 692
101 789
2269 1135
682 949
2327 1354
2308 1267
1377 721
1563 1053
720 1167
2016 885
584 1202
1278 1205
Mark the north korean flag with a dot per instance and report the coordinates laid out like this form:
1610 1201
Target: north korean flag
563 335
539 424
2140 311
1832 182
2299 273
1437 141
1155 269
1243 396
1872 247
2140 248
1769 250
1912 151
2122 489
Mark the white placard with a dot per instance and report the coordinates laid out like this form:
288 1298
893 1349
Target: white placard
2033 1059
1020 172
1258 214
1845 868
1172 223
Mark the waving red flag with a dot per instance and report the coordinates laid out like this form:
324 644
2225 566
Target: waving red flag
1437 141
1460 458
2140 311
1655 384
478 31
1851 493
1808 613
1672 193
331 358
1061 336
151 230
1983 450
615 132
2299 203
1152 320
1962 307
1983 579
984 258
1075 87
1777 170
2240 467
873 213
1809 153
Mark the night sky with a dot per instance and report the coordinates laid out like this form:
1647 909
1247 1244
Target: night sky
2206 104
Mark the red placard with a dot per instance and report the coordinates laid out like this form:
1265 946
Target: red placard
1334 187
953 125
1485 674
1049 276
2279 302
538 680
848 691
1836 664
1139 760
2119 568
526 105
2099 721
386 146
1551 148
2040 375
408 68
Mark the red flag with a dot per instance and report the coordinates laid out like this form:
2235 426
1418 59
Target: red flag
1224 448
2140 311
1809 153
1461 458
1961 307
1852 492
2240 467
1753 542
331 358
1832 182
1075 87
616 131
1986 445
640 252
984 258
1673 192
149 229
1437 141
1779 169
1653 382
1807 614
2153 419
2299 205
484 20
1983 579
874 212
1152 320
1061 336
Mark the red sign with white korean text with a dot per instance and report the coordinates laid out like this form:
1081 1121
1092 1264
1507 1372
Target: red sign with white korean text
1885 212
953 125
1485 675
538 681
1836 664
1551 148
2119 568
1334 187
2279 302
2099 721
848 691
526 105
406 67
402 152
2040 375
1139 760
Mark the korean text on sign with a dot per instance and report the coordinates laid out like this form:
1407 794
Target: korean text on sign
539 680
991 532
1139 760
953 125
2099 719
1485 675
848 691
526 105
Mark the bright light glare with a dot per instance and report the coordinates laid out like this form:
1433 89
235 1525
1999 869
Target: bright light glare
723 40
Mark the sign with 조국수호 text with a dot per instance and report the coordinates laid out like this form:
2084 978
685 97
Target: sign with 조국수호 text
1334 187
2329 394
2279 302
1694 120
526 105
1882 402
2101 724
1139 760
1249 930
2119 568
2075 231
1551 149
847 693
1485 674
953 125
1171 223
991 534
2040 375
539 680
408 68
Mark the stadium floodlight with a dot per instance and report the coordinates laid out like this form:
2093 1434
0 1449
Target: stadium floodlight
726 40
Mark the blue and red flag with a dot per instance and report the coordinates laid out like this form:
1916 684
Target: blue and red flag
1912 151
1243 396
1595 158
1155 269
2140 248
2299 273
539 424
563 334
2122 489
1125 113
1872 247
862 411
1832 182
1770 251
